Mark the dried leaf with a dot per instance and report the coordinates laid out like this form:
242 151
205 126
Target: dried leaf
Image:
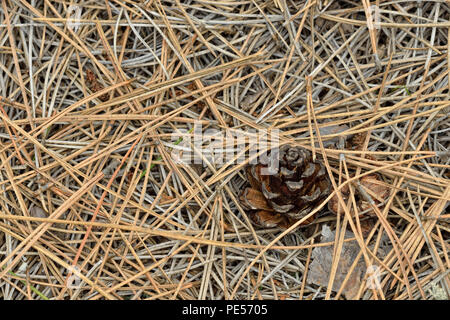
357 141
94 85
333 129
367 226
333 204
373 187
320 267
38 212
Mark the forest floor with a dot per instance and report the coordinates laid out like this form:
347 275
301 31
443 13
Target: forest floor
118 181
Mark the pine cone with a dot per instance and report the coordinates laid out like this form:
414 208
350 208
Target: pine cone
289 193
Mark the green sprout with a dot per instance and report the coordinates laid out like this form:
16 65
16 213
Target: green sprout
40 294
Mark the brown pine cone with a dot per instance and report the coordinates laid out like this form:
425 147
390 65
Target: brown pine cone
289 193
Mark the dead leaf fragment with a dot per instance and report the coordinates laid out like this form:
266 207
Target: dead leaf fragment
333 129
320 267
38 212
94 85
372 186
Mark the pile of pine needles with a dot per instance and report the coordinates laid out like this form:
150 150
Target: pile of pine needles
97 95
